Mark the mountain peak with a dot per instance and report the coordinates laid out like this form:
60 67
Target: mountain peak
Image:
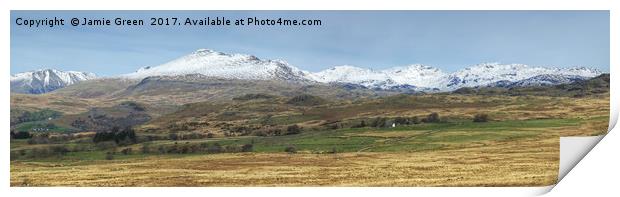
216 64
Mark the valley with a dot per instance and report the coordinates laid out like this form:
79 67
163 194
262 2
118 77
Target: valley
303 135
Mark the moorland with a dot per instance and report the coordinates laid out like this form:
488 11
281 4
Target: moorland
166 131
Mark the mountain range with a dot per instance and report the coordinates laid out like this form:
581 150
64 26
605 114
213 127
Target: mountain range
417 77
46 80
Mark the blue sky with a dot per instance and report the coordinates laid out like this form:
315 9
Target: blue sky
449 40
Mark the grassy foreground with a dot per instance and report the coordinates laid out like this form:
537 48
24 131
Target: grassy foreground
517 146
506 164
517 153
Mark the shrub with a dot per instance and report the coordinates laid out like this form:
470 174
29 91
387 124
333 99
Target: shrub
124 136
210 135
379 122
290 149
400 120
433 117
247 148
481 118
260 132
406 120
232 149
334 126
20 135
103 136
127 136
293 129
216 148
273 130
362 124
414 120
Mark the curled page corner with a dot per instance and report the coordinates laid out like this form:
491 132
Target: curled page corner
539 191
572 150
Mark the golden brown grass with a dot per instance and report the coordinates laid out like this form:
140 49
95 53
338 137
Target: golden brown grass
526 162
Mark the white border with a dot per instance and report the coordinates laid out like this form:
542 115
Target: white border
580 177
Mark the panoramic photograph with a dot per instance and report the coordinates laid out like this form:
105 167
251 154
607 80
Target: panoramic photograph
302 98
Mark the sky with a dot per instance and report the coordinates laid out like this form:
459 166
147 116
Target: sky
448 40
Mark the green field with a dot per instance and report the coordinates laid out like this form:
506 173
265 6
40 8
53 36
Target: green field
419 137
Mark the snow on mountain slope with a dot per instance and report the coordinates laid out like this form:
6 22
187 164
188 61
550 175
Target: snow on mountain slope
221 65
484 74
208 63
409 76
46 80
540 80
425 77
417 77
353 75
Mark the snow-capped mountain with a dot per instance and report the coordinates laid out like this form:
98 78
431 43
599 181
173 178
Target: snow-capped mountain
421 77
489 73
204 63
222 65
46 80
418 77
